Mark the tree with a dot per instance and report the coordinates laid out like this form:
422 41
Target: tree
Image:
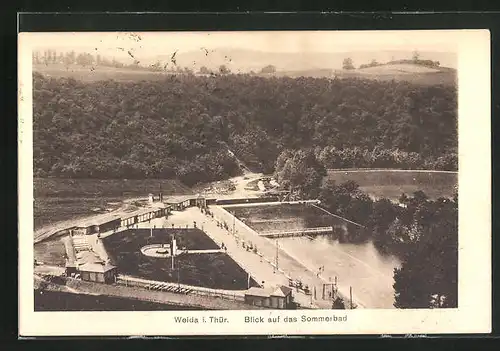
84 59
269 69
204 70
224 70
348 64
415 56
157 66
70 58
301 172
36 57
428 275
383 214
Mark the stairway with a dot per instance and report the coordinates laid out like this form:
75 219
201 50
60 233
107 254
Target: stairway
80 243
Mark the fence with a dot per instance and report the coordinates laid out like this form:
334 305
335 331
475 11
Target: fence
247 200
180 288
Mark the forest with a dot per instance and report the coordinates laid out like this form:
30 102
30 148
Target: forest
423 233
183 126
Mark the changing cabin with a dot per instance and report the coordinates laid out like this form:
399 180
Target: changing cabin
277 298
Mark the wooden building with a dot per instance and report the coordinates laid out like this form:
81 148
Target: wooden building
179 203
277 298
83 230
98 272
145 215
107 225
129 221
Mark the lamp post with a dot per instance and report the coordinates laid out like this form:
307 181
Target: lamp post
234 222
276 259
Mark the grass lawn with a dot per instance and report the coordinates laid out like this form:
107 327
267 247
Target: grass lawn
96 73
216 270
391 184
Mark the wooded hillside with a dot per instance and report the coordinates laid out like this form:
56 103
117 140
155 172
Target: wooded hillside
182 126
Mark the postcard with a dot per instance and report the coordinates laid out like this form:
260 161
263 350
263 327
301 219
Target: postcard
254 183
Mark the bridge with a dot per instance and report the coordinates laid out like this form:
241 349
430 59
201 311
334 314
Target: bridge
297 232
342 218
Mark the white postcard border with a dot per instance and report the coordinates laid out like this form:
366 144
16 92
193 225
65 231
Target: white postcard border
472 316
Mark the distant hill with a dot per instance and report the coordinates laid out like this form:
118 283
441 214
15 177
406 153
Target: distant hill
239 60
414 73
401 72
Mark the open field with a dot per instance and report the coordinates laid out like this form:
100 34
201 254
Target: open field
50 252
415 74
62 199
392 183
90 73
214 270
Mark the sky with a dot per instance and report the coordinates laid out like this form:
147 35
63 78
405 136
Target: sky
160 43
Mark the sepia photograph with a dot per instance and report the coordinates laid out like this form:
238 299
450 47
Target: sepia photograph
258 182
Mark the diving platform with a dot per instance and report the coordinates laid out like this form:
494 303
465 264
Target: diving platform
297 232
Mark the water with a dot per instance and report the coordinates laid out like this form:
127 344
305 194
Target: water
361 266
285 217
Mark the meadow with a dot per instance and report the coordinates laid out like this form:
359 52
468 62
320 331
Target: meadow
92 74
392 183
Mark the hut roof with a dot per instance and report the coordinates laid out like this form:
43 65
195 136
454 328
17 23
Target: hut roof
86 257
281 291
96 267
179 199
261 292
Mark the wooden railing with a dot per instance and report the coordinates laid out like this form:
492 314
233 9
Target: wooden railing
235 295
297 232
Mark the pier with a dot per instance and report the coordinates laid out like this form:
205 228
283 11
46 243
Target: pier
297 232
